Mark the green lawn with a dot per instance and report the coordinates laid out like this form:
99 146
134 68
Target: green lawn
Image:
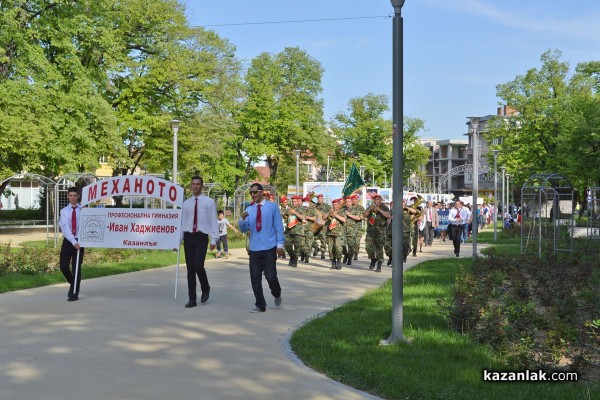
436 363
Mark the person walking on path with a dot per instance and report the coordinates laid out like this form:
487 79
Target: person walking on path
457 217
70 217
263 220
431 222
198 222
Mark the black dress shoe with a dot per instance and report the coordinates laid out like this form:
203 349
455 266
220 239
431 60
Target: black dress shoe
190 304
204 296
73 298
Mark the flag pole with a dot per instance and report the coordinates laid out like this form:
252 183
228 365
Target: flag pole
177 270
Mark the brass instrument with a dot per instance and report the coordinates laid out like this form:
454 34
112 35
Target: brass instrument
415 217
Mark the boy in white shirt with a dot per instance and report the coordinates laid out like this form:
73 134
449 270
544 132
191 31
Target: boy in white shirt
223 224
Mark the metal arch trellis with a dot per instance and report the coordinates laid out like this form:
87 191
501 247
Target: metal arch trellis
547 214
593 213
241 197
443 180
63 184
50 186
216 190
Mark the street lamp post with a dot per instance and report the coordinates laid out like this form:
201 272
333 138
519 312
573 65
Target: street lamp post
496 194
503 194
297 172
397 175
508 193
362 172
475 141
175 127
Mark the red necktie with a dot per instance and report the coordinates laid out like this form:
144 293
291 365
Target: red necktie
258 219
74 221
195 228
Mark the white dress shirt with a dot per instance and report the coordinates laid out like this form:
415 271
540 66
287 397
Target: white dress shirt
464 216
66 215
207 217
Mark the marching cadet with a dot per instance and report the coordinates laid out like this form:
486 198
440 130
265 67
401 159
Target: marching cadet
357 209
351 226
324 208
283 210
295 227
377 216
388 236
309 222
335 220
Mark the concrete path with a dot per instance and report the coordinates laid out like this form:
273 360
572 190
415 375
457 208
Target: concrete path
129 339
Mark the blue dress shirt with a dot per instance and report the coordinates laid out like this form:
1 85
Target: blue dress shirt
271 233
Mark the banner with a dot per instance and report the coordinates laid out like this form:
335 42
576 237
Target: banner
443 217
130 228
133 185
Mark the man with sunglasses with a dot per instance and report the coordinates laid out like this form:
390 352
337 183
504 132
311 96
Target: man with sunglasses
263 220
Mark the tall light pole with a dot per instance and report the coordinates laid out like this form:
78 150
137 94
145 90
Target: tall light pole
508 193
496 194
362 172
397 175
503 195
475 140
175 128
297 172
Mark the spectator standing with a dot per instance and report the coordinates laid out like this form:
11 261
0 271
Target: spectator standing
223 223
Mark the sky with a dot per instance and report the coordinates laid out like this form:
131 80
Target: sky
455 51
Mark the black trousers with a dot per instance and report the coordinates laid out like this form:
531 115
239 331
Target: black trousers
264 261
195 246
457 231
68 256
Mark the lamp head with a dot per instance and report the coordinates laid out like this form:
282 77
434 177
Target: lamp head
474 123
174 125
496 153
397 4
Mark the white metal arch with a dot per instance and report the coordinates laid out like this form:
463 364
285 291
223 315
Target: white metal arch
50 186
483 169
241 195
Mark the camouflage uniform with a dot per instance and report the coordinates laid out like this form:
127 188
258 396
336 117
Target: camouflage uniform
351 227
309 237
376 236
324 208
284 210
294 242
358 210
335 239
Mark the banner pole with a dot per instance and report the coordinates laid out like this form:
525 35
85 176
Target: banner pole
76 273
177 270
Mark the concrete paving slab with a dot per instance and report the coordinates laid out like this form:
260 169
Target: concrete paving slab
129 339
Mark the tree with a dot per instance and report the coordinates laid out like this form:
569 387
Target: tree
282 111
556 128
366 137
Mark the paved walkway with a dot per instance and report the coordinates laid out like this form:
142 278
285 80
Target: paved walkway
129 339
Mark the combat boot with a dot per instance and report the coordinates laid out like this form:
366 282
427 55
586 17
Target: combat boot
306 259
338 264
349 261
373 261
322 255
345 258
332 264
315 252
379 266
389 263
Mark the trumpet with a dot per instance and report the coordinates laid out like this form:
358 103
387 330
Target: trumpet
416 206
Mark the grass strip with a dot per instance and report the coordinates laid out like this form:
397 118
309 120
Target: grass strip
436 363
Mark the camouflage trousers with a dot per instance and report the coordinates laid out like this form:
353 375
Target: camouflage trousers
309 239
374 243
336 246
405 245
415 237
294 244
357 238
320 242
350 243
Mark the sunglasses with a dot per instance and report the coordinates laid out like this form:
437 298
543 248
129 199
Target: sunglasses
254 191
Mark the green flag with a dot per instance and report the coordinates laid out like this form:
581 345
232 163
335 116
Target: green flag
353 182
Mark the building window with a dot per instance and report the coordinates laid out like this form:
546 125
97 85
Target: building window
469 177
102 159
